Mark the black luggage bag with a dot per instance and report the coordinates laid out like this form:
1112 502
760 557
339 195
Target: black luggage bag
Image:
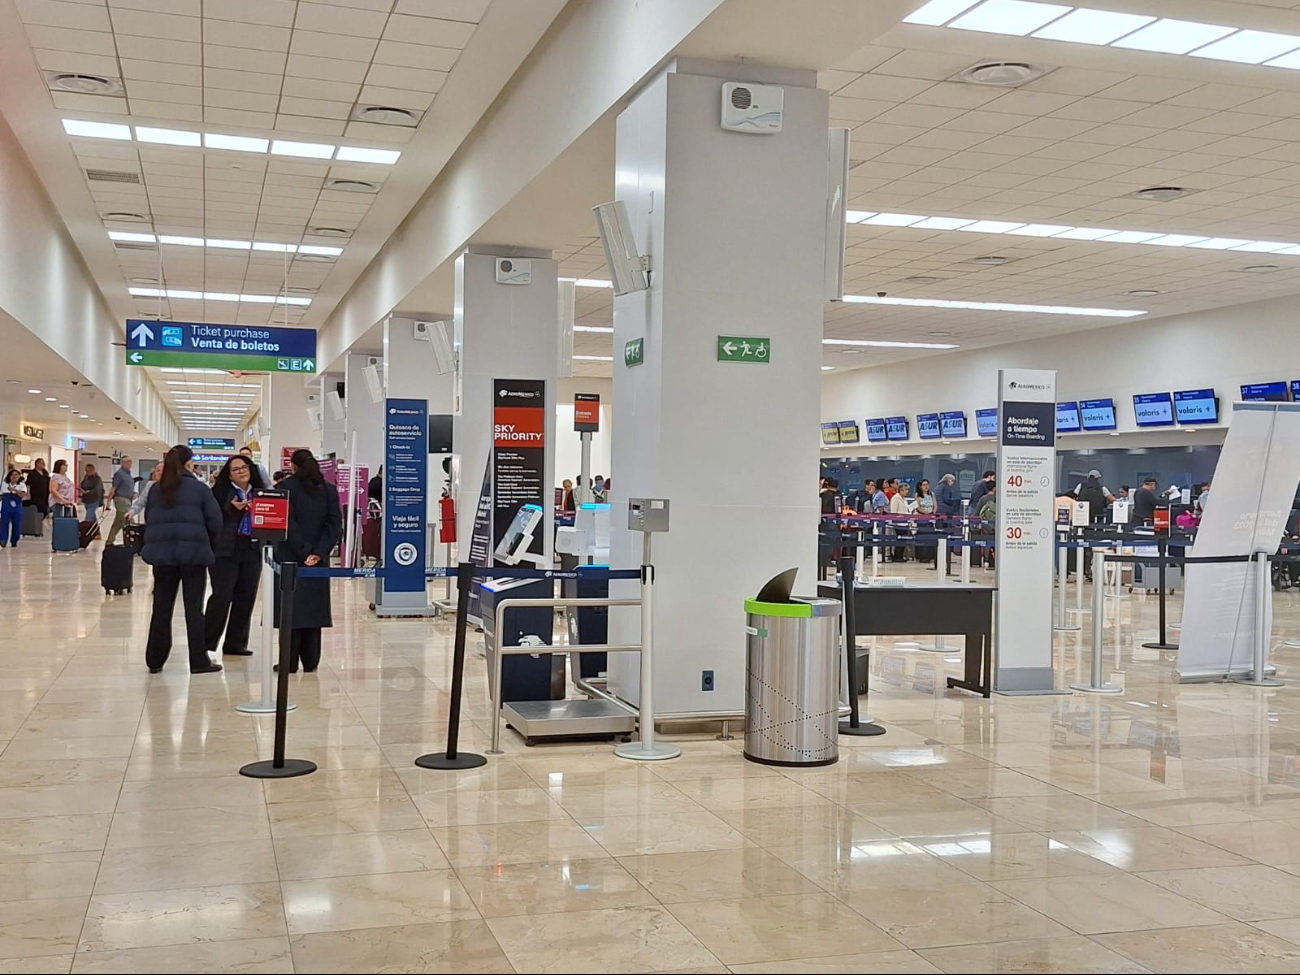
117 570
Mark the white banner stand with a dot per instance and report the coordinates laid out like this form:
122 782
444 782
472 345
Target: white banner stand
1026 525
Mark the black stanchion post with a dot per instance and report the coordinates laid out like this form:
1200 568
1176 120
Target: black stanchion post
1162 546
455 759
855 725
280 767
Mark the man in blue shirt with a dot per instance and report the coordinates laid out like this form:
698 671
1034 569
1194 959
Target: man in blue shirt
121 492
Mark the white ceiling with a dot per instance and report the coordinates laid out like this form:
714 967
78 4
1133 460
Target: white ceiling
293 69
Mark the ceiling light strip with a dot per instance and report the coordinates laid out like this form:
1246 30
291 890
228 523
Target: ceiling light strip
222 244
1110 28
1102 235
152 135
183 295
993 306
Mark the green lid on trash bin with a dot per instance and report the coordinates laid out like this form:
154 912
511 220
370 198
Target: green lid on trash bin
789 610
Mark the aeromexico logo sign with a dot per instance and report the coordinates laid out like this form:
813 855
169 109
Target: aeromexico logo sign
1041 387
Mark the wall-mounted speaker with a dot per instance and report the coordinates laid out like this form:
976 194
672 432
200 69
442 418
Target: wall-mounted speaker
335 402
439 337
374 384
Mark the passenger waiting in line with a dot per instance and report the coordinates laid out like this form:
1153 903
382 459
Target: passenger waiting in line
246 452
1096 494
62 494
947 501
184 522
238 560
315 524
1202 499
137 512
566 496
901 504
880 500
927 506
1145 502
374 490
982 487
38 487
13 492
988 513
92 492
121 491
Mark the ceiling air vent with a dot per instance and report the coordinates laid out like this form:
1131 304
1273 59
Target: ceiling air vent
123 245
352 186
387 115
1001 74
111 176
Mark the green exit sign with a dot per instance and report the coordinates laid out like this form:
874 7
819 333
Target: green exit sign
634 352
744 348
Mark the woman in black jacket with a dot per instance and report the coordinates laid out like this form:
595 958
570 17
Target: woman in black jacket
315 524
184 522
238 565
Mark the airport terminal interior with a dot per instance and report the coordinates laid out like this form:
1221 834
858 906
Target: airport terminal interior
945 618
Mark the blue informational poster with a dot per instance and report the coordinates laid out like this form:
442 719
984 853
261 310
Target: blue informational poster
406 480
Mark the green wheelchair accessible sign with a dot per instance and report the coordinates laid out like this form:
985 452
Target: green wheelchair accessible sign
744 348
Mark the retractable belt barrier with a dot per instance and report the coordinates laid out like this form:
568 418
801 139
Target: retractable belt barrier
288 574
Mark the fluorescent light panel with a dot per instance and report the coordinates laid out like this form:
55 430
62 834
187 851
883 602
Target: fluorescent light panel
97 130
1100 234
995 306
217 296
882 344
593 328
232 143
1129 31
593 358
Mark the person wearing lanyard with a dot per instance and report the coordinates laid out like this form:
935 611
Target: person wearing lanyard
238 566
13 492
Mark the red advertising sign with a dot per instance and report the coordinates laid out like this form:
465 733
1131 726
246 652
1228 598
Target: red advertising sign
285 454
586 412
270 515
519 426
1160 521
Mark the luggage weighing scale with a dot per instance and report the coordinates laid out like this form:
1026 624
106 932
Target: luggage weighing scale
534 688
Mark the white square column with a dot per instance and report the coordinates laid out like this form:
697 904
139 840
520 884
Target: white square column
503 331
734 224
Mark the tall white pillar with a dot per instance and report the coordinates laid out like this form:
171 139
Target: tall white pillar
364 416
287 406
734 224
503 331
411 372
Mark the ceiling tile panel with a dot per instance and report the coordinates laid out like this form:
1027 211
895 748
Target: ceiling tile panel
428 30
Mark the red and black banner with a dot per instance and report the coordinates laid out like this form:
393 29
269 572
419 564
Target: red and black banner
586 412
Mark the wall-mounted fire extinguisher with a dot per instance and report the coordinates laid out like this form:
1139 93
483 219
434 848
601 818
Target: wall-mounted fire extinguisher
447 520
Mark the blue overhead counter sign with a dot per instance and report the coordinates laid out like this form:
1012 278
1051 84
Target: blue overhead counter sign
232 348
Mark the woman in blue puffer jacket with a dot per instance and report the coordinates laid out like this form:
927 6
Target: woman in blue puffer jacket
184 521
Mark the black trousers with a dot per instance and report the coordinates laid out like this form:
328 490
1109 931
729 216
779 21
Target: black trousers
234 591
167 579
304 645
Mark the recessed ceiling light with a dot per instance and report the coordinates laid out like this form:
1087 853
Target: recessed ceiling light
84 84
180 241
34 392
894 219
1143 293
992 260
320 250
234 245
1001 74
307 150
1016 17
137 238
1129 237
847 351
1084 26
167 137
883 344
941 223
990 226
97 130
827 368
1175 240
1218 243
938 11
329 232
352 186
125 216
593 328
1173 36
995 306
51 399
594 358
857 216
1084 233
1249 47
1263 247
234 143
1261 269
262 245
64 406
384 157
387 115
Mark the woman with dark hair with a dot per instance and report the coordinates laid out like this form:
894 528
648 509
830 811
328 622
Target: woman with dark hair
12 495
62 492
38 487
184 522
238 565
315 524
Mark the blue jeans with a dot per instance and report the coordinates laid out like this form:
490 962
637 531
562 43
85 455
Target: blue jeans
92 510
11 523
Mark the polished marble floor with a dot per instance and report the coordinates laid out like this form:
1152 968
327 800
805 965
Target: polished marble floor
1157 830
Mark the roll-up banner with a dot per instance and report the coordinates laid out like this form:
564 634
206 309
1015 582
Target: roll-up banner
406 485
518 453
1026 502
1254 483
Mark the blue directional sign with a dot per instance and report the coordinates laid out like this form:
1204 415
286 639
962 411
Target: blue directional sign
243 348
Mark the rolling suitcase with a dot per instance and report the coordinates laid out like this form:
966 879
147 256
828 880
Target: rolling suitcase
33 523
372 538
66 535
117 570
87 531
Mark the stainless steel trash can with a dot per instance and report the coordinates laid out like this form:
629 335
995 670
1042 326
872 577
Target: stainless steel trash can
792 682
